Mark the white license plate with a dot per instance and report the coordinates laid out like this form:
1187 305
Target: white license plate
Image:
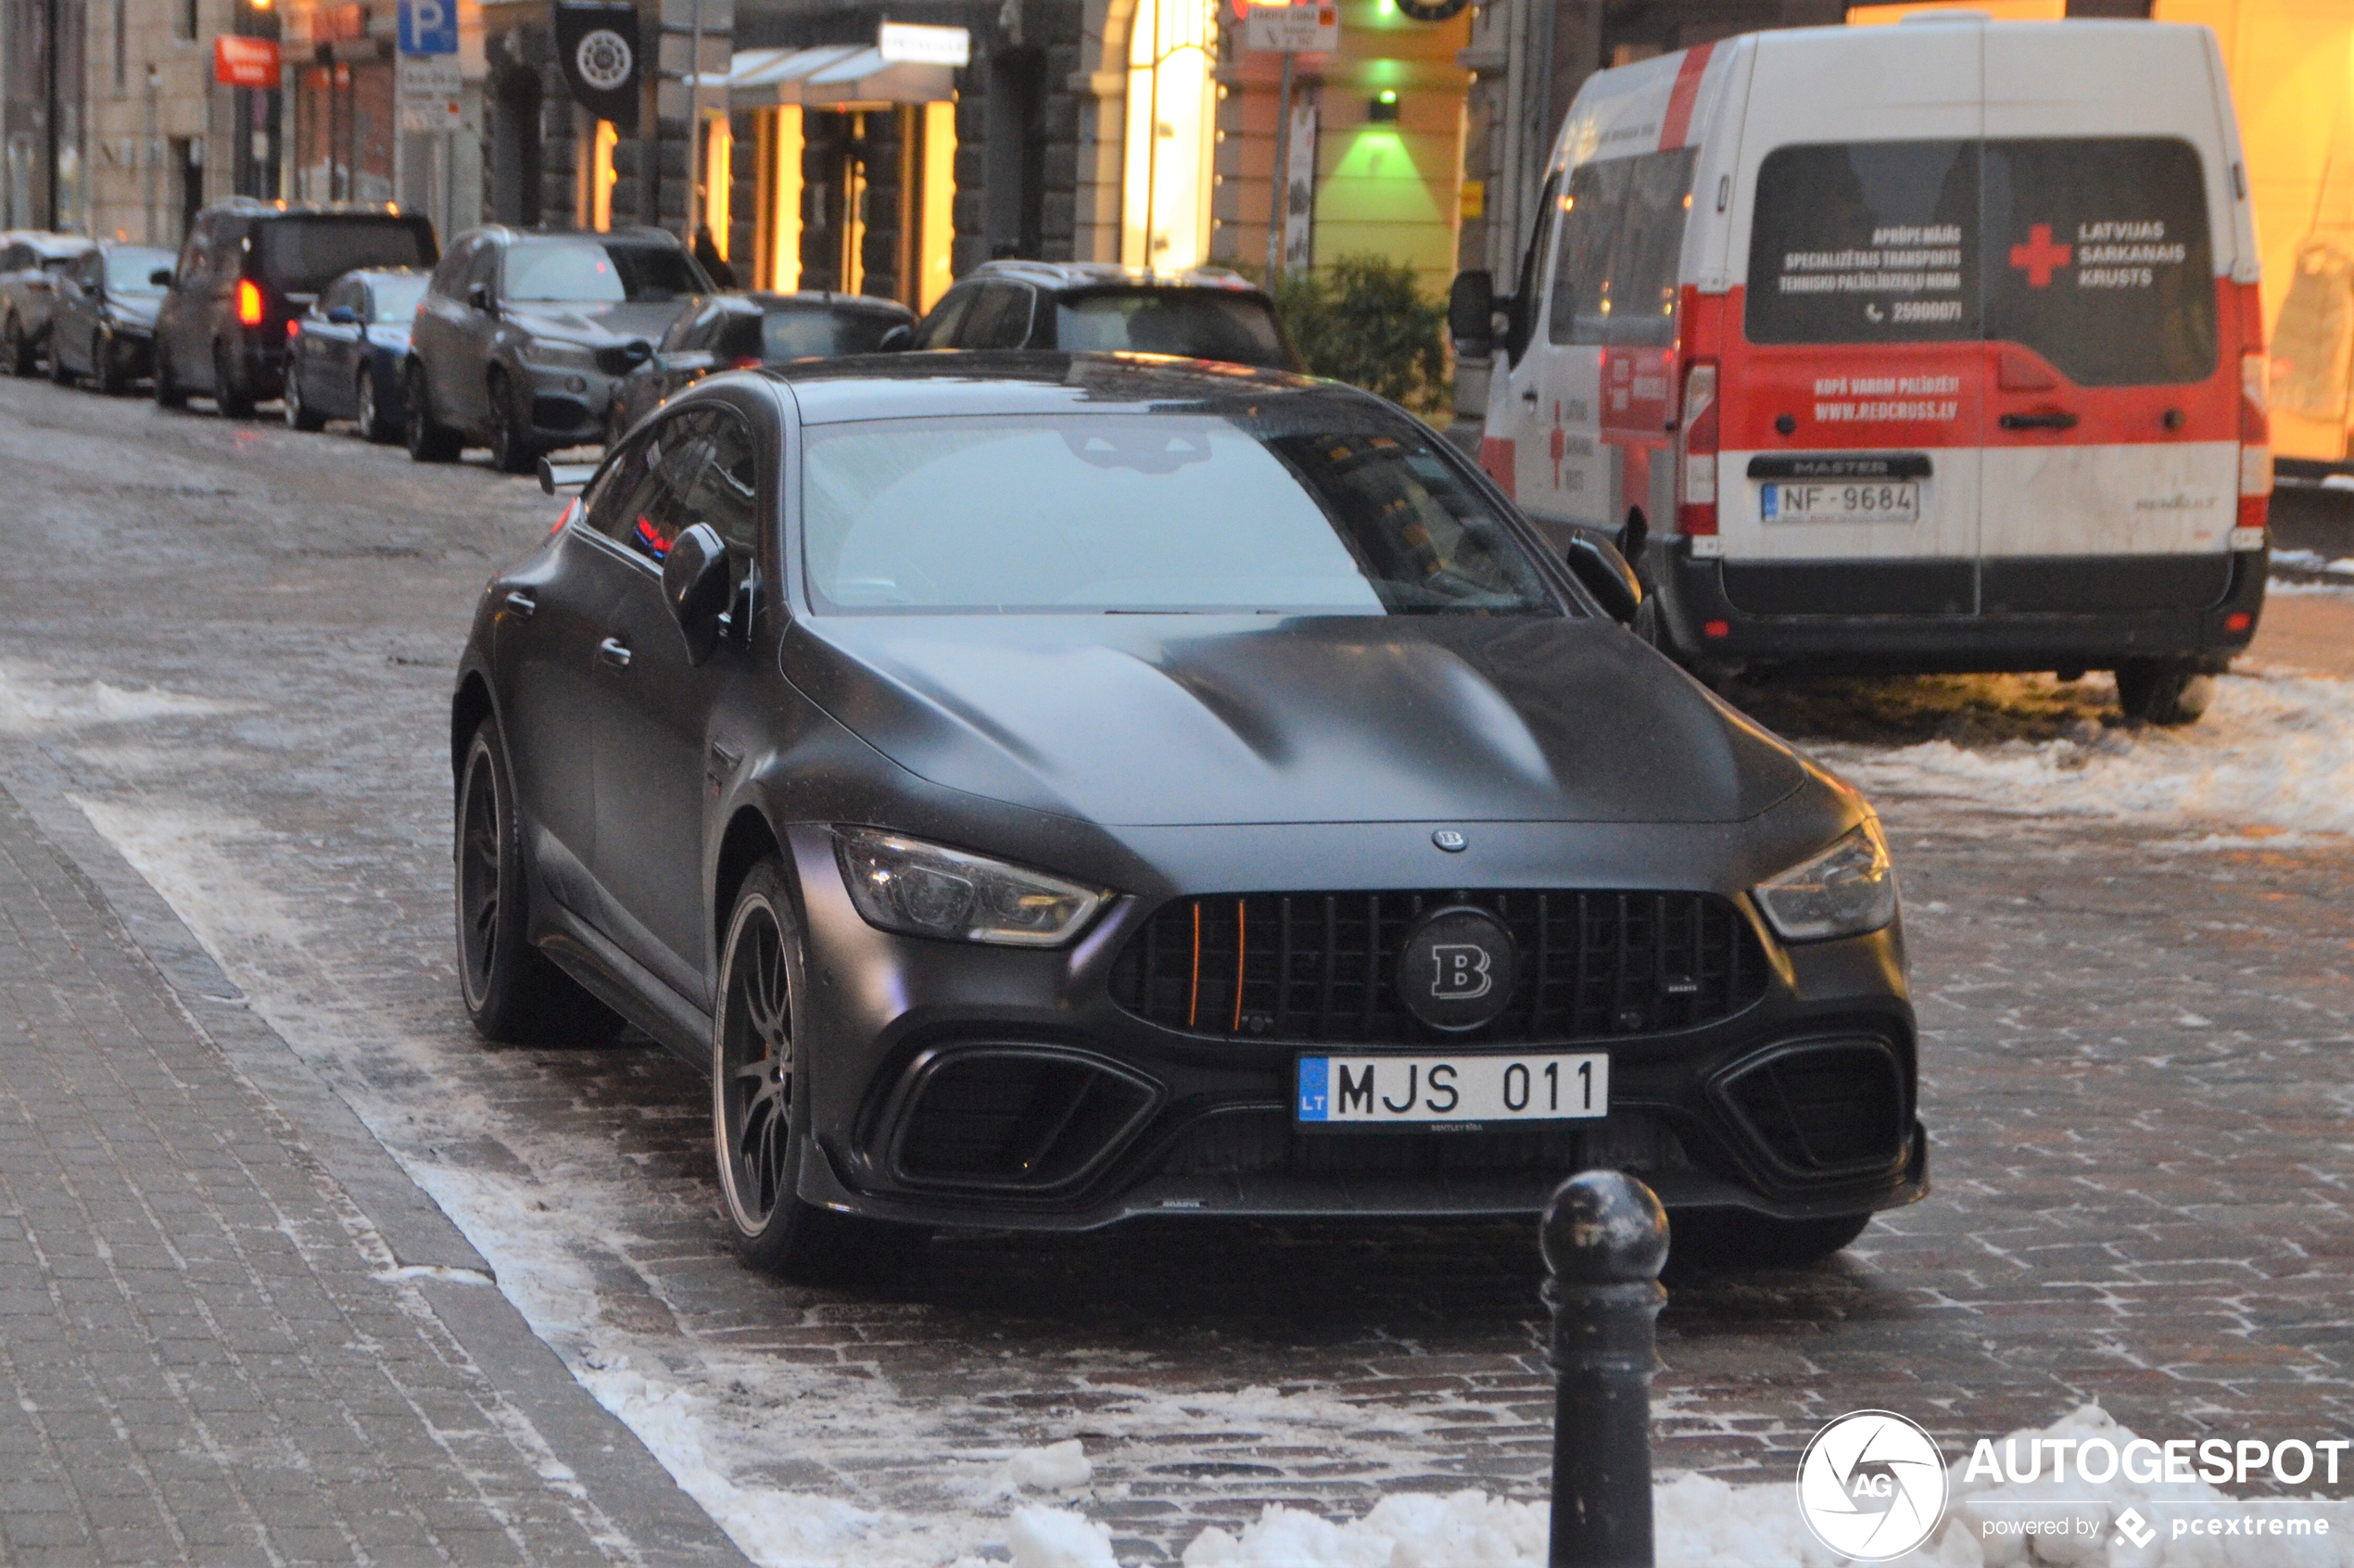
1361 1091
1842 500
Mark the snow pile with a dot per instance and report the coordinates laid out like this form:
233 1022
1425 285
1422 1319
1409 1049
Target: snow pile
1058 1467
1046 1538
2275 750
28 707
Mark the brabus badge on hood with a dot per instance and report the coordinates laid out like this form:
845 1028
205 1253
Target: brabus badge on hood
1450 840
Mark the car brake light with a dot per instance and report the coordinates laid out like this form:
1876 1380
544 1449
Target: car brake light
1696 452
248 302
2256 449
745 361
294 327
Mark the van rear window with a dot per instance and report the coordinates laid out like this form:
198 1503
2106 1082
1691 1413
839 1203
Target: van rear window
1622 234
2092 251
1866 242
304 255
2099 258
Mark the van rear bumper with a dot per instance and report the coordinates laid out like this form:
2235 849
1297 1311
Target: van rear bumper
1694 604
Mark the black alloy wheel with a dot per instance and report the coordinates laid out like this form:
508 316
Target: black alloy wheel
511 448
512 991
16 354
758 1119
300 414
428 442
371 421
230 397
106 366
2163 691
170 394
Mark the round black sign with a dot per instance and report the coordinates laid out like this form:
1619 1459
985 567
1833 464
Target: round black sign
1432 10
1457 968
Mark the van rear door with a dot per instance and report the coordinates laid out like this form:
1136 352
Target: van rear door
1851 397
2112 428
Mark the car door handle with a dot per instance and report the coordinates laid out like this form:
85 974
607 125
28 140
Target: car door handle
614 652
523 604
2059 420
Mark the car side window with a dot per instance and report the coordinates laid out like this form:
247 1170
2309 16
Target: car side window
453 268
1001 319
633 506
12 258
482 267
717 482
605 504
939 330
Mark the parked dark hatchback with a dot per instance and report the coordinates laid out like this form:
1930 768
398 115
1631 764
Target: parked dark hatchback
524 332
1094 306
741 331
103 322
345 361
1050 789
248 271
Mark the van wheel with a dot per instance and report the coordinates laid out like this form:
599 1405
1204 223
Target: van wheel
233 400
170 394
2156 691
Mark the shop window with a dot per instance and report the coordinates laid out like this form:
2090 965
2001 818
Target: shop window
776 263
1171 112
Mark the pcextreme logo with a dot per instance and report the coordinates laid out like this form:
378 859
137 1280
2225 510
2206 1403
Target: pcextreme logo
1871 1486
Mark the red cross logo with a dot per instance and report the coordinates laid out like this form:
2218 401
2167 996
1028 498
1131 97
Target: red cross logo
1557 442
2038 256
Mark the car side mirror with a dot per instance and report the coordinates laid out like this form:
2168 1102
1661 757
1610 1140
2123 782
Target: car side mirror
620 358
684 360
554 476
1603 572
898 338
1471 313
159 278
696 586
343 315
479 296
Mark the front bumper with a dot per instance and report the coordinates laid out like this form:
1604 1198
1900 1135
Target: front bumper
1702 607
1172 1122
568 407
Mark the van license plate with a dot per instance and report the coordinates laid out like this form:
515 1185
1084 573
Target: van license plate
1877 501
1369 1091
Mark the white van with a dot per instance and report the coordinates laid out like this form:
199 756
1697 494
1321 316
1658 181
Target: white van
1926 347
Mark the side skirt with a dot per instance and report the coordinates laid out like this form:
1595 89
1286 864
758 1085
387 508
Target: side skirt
626 986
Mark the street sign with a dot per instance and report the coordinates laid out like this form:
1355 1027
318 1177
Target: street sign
428 27
430 88
244 62
1309 29
914 44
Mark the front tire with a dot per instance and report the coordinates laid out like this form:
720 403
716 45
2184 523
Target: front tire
170 394
300 414
374 427
2157 691
758 1084
428 442
510 990
511 448
232 399
16 354
105 367
58 370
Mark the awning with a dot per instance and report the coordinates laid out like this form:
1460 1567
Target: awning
833 76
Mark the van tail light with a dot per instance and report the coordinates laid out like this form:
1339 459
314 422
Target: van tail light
1696 452
2255 453
294 328
248 302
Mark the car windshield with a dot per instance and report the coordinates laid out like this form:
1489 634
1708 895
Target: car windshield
129 270
304 255
591 272
1317 512
397 299
800 332
1199 323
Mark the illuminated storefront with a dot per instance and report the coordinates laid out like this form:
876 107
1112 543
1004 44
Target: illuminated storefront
1165 206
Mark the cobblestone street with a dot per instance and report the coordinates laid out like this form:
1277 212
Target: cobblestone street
238 1096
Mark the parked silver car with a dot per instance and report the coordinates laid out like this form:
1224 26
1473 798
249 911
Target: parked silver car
29 262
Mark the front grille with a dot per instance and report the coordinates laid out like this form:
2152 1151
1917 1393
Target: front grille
1826 1108
1324 966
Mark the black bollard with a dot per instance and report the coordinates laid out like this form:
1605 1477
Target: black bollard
1605 1239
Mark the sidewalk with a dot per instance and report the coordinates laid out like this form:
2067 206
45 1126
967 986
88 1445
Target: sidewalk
231 1331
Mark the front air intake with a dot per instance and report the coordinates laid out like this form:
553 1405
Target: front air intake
1821 1109
1033 1119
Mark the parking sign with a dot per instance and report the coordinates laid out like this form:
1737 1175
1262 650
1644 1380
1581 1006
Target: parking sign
428 27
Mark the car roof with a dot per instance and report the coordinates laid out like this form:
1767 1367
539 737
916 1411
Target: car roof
253 206
1072 275
927 384
507 234
50 245
863 304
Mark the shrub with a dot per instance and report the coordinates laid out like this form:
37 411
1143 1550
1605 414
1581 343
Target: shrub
1364 320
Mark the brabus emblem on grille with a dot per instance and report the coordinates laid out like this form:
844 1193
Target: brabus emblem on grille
1450 840
1456 968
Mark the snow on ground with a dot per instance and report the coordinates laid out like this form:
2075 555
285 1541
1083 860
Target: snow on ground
2275 752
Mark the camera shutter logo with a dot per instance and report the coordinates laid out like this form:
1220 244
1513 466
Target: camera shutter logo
1872 1486
604 58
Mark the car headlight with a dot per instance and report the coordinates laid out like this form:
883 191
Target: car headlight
553 355
926 889
1846 890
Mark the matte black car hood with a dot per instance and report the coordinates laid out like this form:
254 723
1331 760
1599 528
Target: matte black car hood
1165 721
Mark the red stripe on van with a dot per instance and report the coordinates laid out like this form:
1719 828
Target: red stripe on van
1678 122
1496 456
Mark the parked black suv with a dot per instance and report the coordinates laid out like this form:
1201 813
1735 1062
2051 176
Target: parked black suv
524 332
739 331
1207 313
248 271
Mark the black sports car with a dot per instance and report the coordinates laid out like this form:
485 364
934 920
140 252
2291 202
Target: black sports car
1048 789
